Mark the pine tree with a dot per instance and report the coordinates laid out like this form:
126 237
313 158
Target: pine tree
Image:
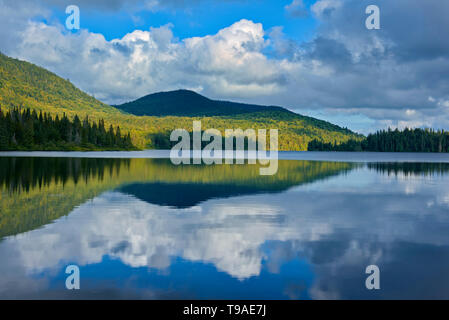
110 137
28 133
118 138
25 129
85 132
4 137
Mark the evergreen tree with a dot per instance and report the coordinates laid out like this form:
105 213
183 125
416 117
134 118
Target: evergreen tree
416 140
28 133
26 130
4 136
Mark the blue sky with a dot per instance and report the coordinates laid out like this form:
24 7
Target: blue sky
196 20
315 57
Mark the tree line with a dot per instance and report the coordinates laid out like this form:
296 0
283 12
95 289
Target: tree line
407 140
23 129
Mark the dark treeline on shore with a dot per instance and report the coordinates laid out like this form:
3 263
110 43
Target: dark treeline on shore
27 130
407 140
162 141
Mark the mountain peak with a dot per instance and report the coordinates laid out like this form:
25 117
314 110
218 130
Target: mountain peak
175 94
189 103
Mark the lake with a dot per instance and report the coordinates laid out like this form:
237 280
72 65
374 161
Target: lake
140 227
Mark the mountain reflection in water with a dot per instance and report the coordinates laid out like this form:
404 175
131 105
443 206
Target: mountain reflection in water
144 228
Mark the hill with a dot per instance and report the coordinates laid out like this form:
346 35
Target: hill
186 103
23 84
26 85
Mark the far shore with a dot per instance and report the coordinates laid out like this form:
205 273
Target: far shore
363 157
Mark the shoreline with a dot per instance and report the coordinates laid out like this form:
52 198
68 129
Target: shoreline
333 156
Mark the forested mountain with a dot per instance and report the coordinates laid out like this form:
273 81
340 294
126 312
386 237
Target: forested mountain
407 140
24 85
186 103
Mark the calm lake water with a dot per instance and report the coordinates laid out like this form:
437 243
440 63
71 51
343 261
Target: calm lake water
146 229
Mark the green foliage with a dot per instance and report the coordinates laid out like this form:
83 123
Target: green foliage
408 140
295 132
25 130
24 85
177 109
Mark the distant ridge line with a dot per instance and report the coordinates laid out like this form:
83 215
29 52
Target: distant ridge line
189 103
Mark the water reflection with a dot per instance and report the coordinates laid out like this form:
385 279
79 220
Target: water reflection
410 168
307 233
36 191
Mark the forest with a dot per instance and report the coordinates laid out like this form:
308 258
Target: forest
407 140
23 129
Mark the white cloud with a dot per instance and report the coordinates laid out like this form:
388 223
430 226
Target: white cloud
441 102
297 8
321 7
444 103
230 62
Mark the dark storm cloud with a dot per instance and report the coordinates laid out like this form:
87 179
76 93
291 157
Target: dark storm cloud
331 52
397 74
421 33
413 29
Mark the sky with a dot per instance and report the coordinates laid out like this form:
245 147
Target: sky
315 57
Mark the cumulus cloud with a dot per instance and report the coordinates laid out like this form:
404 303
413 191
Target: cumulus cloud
325 7
14 18
297 9
229 62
